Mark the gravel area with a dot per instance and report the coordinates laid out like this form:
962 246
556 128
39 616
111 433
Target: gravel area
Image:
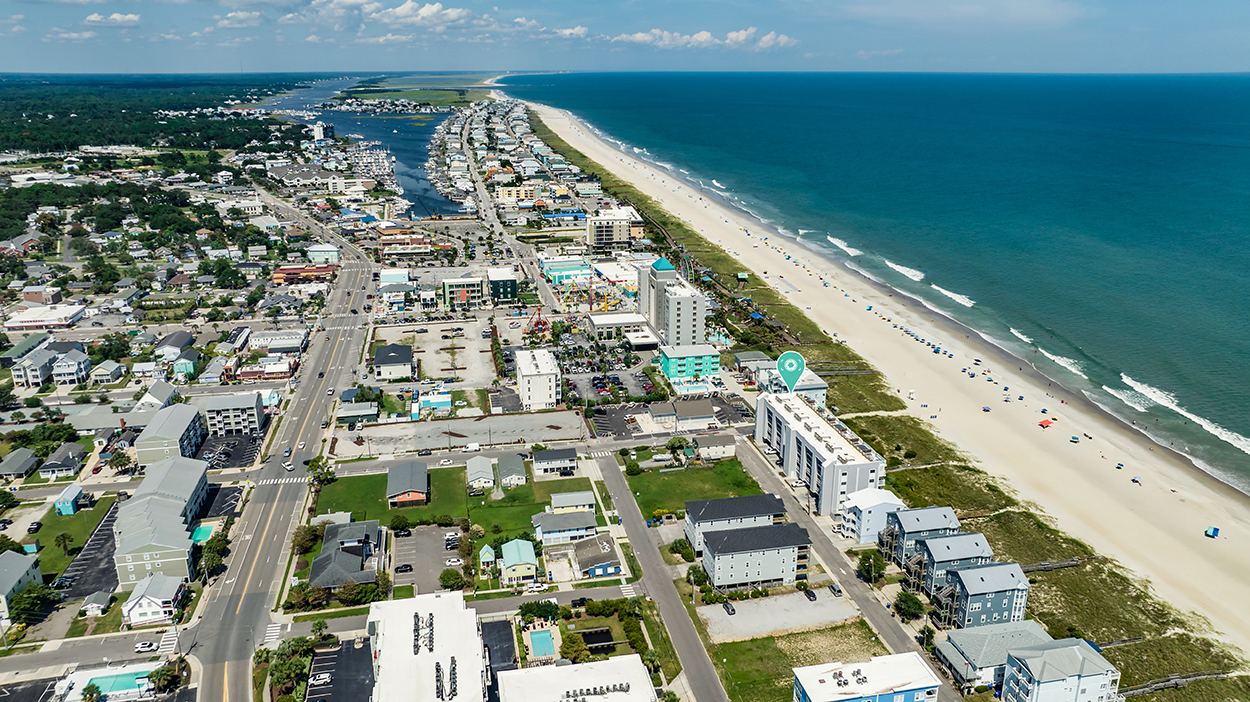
769 616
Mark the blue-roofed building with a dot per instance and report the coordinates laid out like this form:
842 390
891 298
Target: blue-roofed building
520 564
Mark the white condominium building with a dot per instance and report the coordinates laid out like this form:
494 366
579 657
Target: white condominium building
537 379
675 309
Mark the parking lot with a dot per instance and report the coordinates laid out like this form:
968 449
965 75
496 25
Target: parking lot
235 451
222 501
350 670
33 691
598 386
424 551
614 421
774 615
92 568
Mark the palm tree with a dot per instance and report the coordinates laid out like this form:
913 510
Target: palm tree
319 628
62 541
162 677
91 693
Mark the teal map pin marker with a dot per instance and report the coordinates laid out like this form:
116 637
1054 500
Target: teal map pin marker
790 365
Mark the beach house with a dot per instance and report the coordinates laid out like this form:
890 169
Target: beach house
154 600
511 470
984 594
597 557
863 513
348 553
65 461
817 449
715 447
18 464
706 516
407 485
551 528
479 473
572 501
555 461
751 557
927 568
978 656
1067 670
897 541
519 564
17 572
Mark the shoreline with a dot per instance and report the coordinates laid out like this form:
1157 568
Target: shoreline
1153 529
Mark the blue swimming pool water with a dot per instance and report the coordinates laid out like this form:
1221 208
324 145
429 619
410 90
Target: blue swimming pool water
543 644
119 683
201 534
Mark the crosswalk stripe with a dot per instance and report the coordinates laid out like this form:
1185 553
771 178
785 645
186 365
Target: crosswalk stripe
273 632
627 590
280 481
169 641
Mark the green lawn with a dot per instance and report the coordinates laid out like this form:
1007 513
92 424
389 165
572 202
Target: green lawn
759 670
403 592
393 405
604 496
79 526
612 623
669 663
670 491
107 624
509 518
365 496
544 489
336 614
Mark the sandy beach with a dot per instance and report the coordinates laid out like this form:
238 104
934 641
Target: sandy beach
1153 527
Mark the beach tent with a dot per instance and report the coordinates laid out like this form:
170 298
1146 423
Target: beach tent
1213 532
1045 423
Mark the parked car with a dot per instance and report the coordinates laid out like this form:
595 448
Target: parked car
424 452
399 533
729 608
451 546
810 595
835 589
34 526
452 535
405 568
445 462
582 601
320 679
454 562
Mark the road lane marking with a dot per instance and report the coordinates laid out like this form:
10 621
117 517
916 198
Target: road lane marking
255 561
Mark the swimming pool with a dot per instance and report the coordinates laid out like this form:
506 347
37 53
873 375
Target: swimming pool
122 682
201 534
542 643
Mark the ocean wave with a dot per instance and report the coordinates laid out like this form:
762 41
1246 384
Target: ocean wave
1168 400
961 299
909 272
1070 364
1132 398
863 272
850 251
807 231
1021 336
717 183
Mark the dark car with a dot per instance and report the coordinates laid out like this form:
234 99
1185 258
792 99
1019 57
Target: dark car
422 330
810 594
582 601
403 532
6 521
63 582
34 526
424 452
729 608
451 546
405 568
321 375
354 311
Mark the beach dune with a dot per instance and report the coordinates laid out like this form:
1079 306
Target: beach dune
1154 526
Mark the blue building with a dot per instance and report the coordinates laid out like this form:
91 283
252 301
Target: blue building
985 594
906 527
929 567
904 677
597 557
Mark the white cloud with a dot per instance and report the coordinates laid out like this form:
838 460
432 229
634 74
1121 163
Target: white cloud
61 35
523 23
387 39
17 29
578 32
239 19
773 39
237 41
65 2
736 38
12 19
1047 12
414 14
861 54
171 36
116 19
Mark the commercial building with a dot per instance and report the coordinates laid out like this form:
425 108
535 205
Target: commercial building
279 341
715 447
235 414
503 285
979 595
562 270
48 317
17 572
352 412
323 253
707 516
978 656
610 325
551 528
760 556
906 527
393 275
177 430
425 647
285 275
464 293
697 361
927 569
393 362
1067 670
152 528
674 308
154 600
407 485
538 379
613 229
817 449
617 679
864 513
902 677
555 461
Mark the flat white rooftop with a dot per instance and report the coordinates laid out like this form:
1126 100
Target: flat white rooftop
537 362
883 675
600 319
410 656
618 679
837 439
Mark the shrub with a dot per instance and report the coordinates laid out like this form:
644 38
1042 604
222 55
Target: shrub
908 606
632 468
981 689
909 453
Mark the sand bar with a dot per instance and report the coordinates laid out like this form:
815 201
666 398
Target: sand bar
1154 527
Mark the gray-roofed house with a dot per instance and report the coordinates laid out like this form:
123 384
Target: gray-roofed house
752 361
1056 670
904 528
704 516
35 368
407 484
347 554
152 528
978 656
72 368
66 460
357 412
663 413
761 556
107 372
928 567
392 362
17 572
692 414
154 600
19 350
214 371
579 501
552 528
555 461
479 473
177 430
984 594
172 344
161 395
18 464
97 603
715 447
511 470
597 557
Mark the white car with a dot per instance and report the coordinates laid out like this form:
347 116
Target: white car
453 562
451 535
301 445
330 391
288 465
146 647
320 679
445 462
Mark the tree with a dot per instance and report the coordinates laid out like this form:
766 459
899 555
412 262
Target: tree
383 582
452 579
91 693
651 659
163 677
670 696
120 461
33 402
286 671
399 522
319 629
28 605
871 565
677 444
62 541
8 544
350 593
926 637
574 648
908 606
305 537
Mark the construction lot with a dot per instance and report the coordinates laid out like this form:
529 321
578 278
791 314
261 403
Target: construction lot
446 434
442 352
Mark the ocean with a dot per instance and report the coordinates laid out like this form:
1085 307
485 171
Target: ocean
1096 227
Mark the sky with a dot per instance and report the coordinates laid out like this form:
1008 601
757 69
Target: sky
1059 36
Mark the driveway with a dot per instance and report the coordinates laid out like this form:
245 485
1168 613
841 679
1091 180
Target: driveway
424 551
769 616
93 568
